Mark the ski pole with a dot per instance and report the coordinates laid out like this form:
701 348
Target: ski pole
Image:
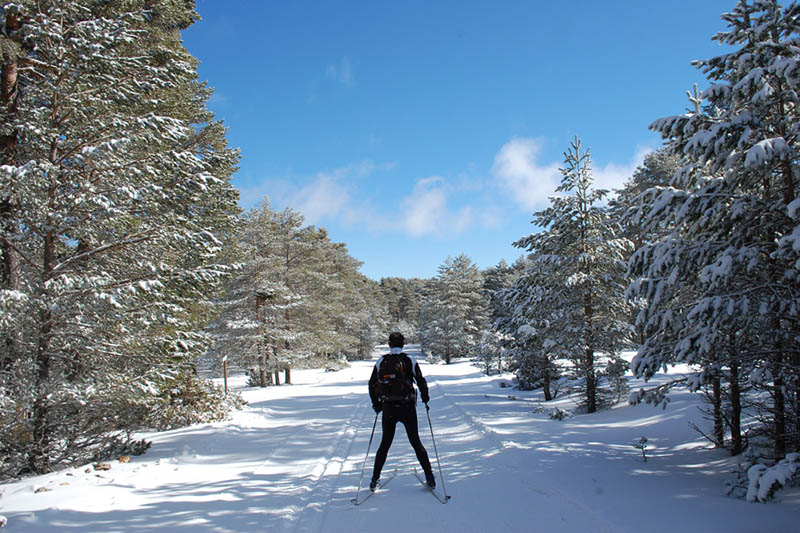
438 462
364 465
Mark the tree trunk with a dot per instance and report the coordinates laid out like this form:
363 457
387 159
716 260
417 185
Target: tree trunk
588 361
10 267
277 377
39 459
287 375
736 409
591 381
796 385
779 409
719 422
548 395
262 370
796 417
778 397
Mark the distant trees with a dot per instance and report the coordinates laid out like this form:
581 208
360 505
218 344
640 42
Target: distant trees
532 324
493 349
455 314
114 198
402 300
296 294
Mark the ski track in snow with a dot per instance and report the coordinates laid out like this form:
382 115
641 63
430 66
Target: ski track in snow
316 505
495 446
291 462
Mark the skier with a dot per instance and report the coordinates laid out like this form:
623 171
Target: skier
391 391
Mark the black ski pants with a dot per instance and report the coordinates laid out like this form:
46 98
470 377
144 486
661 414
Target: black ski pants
407 414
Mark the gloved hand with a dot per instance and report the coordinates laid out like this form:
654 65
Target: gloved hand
427 407
377 407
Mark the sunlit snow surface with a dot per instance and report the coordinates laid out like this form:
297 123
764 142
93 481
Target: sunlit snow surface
291 461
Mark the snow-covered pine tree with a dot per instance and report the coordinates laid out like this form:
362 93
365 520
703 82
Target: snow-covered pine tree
114 183
454 316
656 170
735 209
495 342
297 294
653 175
403 298
367 317
585 262
346 316
540 331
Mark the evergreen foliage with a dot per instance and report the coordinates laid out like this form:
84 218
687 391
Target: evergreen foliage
403 298
575 281
114 180
494 346
721 287
455 314
295 295
533 324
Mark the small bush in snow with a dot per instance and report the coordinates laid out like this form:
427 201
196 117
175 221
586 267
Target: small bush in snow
764 481
758 479
559 414
641 445
191 400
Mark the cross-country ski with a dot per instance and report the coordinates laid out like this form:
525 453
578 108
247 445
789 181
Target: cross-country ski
380 485
442 498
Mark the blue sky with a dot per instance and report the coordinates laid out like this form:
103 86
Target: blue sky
417 130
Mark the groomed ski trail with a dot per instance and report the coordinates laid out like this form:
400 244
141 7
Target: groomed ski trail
471 453
291 461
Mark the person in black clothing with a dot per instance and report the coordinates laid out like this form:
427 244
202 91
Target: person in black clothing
395 411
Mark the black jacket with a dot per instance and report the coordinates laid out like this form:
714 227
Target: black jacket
412 369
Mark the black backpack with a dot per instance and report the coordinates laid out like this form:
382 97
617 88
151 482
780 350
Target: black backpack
394 383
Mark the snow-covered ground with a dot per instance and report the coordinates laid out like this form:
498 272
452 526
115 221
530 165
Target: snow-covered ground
291 461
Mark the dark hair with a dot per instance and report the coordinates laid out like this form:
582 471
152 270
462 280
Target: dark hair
396 340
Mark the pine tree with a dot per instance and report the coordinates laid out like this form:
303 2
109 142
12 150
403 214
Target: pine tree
296 295
495 341
538 328
584 259
455 315
403 298
733 254
114 188
656 171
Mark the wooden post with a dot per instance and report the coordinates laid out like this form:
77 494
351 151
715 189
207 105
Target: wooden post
225 372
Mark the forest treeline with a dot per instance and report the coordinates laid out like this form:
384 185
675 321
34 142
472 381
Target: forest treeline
126 264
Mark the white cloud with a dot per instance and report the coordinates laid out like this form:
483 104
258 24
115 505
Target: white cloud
426 210
519 173
323 198
341 72
531 183
334 197
613 175
251 196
